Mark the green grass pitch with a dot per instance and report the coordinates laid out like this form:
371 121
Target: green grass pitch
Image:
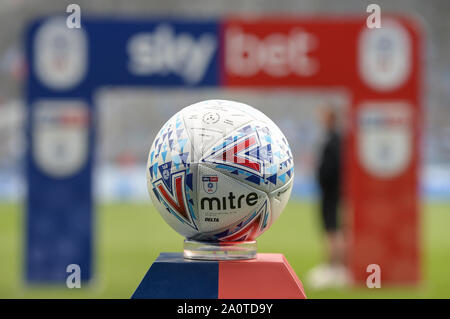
130 236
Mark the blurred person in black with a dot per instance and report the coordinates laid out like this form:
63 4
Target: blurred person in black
333 273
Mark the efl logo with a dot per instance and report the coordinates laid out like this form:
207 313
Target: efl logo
210 183
385 138
276 54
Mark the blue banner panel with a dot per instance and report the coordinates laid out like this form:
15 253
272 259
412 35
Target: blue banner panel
66 68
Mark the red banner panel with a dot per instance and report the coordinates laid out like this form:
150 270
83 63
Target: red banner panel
381 70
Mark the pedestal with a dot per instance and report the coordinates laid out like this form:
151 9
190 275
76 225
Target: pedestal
269 276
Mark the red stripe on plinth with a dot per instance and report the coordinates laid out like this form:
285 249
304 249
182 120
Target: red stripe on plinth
269 276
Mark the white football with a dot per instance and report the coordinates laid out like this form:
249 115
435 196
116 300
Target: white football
220 171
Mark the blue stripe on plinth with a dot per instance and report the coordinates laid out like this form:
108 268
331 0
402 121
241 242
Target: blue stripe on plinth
173 277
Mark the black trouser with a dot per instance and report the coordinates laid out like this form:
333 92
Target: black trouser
329 208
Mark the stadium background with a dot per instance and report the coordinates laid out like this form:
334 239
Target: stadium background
130 233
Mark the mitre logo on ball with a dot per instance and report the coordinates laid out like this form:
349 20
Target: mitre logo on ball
220 171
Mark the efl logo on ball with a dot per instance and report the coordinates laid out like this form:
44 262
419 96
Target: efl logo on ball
210 183
220 171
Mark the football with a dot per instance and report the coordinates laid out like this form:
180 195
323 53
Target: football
220 170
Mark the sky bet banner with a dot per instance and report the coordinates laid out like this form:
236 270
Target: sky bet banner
378 67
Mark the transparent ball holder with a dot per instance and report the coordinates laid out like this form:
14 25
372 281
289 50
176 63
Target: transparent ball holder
205 250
